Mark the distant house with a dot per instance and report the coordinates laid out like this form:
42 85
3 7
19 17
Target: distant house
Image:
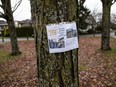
113 26
24 23
3 23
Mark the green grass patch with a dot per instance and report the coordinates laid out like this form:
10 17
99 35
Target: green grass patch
83 68
111 53
5 56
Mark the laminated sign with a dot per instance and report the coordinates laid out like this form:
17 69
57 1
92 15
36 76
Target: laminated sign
62 37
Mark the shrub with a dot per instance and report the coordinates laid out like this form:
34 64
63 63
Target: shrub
24 31
90 31
99 28
21 32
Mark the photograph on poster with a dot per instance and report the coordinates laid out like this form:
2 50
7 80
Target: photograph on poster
54 43
61 43
71 33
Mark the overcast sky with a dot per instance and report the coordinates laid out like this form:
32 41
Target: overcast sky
96 4
23 12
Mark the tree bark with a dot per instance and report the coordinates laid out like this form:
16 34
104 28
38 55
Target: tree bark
105 42
53 69
13 38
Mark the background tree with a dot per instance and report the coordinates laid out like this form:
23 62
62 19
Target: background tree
83 14
113 22
7 14
105 42
94 13
98 19
99 22
113 18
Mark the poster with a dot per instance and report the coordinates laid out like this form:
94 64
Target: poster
62 37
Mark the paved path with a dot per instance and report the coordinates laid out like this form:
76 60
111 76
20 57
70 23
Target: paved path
113 35
98 35
30 38
19 39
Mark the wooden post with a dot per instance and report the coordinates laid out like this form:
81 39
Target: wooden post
2 38
27 37
2 35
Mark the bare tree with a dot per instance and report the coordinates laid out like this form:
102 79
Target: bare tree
99 17
7 14
95 13
105 42
98 20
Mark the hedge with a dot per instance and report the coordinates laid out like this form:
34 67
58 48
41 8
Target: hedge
24 31
21 32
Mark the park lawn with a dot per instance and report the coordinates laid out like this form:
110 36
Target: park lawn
4 56
97 68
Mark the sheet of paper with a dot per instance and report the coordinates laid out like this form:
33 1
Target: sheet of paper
62 37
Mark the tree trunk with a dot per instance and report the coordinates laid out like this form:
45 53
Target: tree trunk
57 69
105 43
13 38
10 21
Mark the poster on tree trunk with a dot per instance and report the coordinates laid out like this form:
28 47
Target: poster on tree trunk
62 37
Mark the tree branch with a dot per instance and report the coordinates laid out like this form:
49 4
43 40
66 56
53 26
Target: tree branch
102 1
113 2
1 6
2 15
17 5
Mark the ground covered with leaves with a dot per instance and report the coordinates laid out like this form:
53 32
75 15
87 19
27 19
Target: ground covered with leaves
97 68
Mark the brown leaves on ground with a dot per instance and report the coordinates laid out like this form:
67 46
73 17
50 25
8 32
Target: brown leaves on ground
96 68
21 71
99 69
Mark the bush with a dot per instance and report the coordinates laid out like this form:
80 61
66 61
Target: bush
24 31
99 29
90 31
21 32
82 32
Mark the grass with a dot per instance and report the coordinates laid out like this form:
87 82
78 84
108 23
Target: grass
111 53
83 68
4 56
